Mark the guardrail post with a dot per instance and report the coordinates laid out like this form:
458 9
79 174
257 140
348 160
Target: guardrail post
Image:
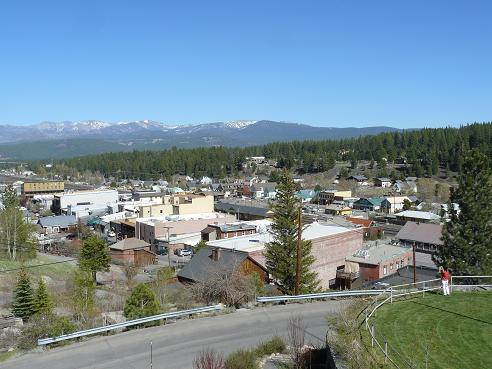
372 335
385 351
391 296
451 285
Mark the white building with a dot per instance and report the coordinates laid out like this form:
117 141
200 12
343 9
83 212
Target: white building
63 201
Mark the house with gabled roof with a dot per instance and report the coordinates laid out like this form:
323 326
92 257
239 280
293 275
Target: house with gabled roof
212 261
370 204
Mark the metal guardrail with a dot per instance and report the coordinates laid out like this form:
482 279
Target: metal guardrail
87 332
324 295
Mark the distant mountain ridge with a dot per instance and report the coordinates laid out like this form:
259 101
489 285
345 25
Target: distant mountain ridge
65 138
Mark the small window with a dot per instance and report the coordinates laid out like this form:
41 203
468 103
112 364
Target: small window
391 266
385 270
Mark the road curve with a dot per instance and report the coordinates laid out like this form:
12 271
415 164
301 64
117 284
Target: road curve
175 345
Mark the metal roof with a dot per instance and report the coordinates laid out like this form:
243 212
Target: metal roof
424 215
421 232
63 221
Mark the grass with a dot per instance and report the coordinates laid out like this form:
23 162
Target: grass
249 358
5 355
59 271
447 332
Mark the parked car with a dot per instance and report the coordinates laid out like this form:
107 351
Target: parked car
162 251
184 252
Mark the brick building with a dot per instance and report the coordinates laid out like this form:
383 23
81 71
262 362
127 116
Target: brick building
380 261
132 251
330 246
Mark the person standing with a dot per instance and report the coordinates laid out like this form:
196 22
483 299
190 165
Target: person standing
444 279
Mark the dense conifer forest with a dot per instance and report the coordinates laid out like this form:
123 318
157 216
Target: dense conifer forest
424 151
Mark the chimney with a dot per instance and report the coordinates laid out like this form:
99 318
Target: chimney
216 254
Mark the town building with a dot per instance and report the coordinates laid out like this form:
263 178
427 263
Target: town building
29 189
328 196
417 216
392 204
330 246
425 236
368 204
62 202
382 182
245 209
263 190
169 231
306 195
220 231
380 260
132 251
338 209
211 262
57 223
181 204
361 180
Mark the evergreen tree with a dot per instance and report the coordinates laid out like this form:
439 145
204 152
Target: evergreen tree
23 305
94 256
9 197
141 303
467 248
42 300
281 253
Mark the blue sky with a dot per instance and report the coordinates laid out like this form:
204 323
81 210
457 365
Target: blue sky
327 63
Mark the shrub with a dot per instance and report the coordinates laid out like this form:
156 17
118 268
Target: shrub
274 345
141 303
41 326
242 359
208 359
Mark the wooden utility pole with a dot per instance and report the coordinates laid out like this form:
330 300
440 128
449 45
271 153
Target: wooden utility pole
414 265
298 256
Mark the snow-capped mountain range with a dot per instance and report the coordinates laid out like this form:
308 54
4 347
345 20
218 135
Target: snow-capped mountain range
153 135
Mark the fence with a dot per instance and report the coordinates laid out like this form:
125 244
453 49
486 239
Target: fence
391 355
87 332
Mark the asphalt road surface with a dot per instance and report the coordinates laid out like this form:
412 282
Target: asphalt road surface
175 345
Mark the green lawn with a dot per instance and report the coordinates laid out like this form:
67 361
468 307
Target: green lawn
456 329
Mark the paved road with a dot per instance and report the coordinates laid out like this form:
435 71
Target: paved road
175 345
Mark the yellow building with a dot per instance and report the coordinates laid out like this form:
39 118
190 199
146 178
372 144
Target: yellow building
181 204
36 188
328 196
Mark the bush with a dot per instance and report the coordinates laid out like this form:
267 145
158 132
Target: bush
273 346
42 326
141 303
208 359
242 359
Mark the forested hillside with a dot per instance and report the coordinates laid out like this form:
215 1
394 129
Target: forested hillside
424 149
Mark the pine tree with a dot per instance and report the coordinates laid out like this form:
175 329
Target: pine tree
23 305
94 256
141 303
467 248
42 300
282 251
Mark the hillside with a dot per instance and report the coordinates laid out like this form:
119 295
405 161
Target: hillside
50 140
425 152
